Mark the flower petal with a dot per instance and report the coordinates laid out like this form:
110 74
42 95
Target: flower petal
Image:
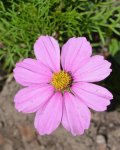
30 99
30 72
74 51
94 96
48 117
95 69
76 115
48 52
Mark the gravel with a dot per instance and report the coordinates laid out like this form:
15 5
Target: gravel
17 131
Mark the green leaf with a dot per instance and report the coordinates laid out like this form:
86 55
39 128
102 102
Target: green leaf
114 46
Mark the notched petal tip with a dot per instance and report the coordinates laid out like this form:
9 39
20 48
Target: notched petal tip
94 96
93 70
30 72
74 51
47 50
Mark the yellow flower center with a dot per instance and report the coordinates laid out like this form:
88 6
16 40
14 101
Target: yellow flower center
61 80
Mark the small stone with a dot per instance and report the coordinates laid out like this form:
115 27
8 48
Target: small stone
111 125
100 139
101 142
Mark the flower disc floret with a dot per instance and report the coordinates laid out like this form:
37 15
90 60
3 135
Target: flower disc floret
61 80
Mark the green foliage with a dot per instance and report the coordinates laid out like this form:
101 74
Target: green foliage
21 22
114 48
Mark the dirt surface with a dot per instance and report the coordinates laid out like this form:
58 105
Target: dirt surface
17 131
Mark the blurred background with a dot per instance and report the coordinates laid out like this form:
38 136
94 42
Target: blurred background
21 23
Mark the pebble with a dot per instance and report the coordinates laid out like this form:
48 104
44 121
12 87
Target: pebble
101 142
100 139
111 125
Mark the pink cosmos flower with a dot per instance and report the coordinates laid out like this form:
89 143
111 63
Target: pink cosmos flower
58 85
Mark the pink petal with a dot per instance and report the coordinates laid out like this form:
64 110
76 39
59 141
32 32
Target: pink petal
76 115
30 72
94 96
74 52
48 52
30 99
95 69
49 116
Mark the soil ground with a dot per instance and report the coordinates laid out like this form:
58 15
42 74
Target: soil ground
17 131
